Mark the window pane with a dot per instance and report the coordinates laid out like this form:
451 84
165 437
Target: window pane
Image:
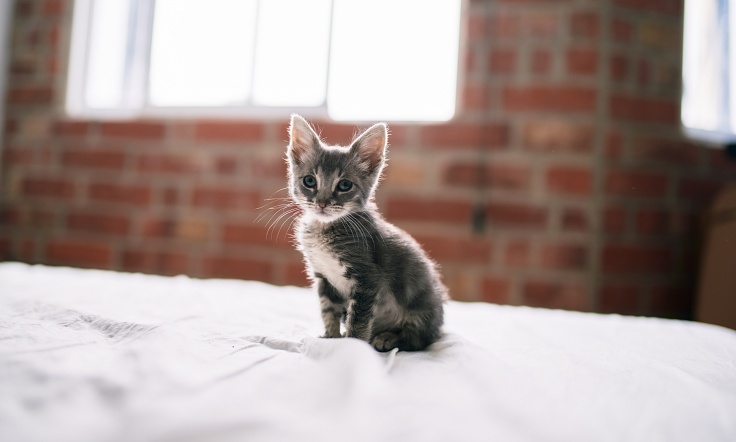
703 65
291 54
201 52
394 60
106 60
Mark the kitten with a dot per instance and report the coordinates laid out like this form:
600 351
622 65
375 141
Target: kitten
368 273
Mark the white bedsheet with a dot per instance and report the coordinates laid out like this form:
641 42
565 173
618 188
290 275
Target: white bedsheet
102 356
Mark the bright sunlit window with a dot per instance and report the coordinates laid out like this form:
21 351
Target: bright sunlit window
709 65
347 59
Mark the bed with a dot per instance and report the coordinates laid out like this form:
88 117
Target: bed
89 355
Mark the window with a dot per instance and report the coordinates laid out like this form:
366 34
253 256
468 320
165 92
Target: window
709 90
346 59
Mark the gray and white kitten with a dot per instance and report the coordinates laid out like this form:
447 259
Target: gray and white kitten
368 273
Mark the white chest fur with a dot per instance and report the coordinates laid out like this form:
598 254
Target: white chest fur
322 260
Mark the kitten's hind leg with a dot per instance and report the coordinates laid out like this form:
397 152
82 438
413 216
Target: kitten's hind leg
413 336
332 306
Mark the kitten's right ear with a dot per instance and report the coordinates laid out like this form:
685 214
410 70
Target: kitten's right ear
302 139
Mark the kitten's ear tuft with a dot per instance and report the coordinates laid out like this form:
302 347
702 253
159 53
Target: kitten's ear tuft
302 139
371 145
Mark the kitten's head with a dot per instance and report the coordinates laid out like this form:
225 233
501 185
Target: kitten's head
328 182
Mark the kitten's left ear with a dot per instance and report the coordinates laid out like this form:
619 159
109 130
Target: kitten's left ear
371 146
302 139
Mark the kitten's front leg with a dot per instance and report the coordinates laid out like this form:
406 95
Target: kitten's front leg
360 315
332 306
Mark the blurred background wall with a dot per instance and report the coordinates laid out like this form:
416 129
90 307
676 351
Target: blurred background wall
563 181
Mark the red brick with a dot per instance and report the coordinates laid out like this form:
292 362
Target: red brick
582 61
242 234
296 275
585 24
148 130
53 7
495 289
48 187
78 253
517 215
504 25
564 256
636 259
457 250
98 223
549 98
636 183
666 151
429 210
559 295
702 190
621 30
542 24
228 131
217 266
557 136
569 180
156 262
224 198
477 26
17 156
622 299
496 175
30 95
182 227
25 8
171 163
541 61
643 72
502 61
613 145
517 254
104 159
71 128
614 220
475 97
653 222
465 135
11 126
270 168
120 193
619 65
36 218
575 220
171 196
646 110
227 165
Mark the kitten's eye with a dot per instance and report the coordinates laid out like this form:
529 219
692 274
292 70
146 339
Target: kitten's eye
344 185
309 181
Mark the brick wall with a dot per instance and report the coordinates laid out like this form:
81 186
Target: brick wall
562 182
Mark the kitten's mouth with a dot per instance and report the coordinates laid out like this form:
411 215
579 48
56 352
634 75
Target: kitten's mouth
324 214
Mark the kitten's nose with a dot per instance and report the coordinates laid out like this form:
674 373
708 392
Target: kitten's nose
322 204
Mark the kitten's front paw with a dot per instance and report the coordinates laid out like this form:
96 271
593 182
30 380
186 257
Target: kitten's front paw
328 335
385 341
